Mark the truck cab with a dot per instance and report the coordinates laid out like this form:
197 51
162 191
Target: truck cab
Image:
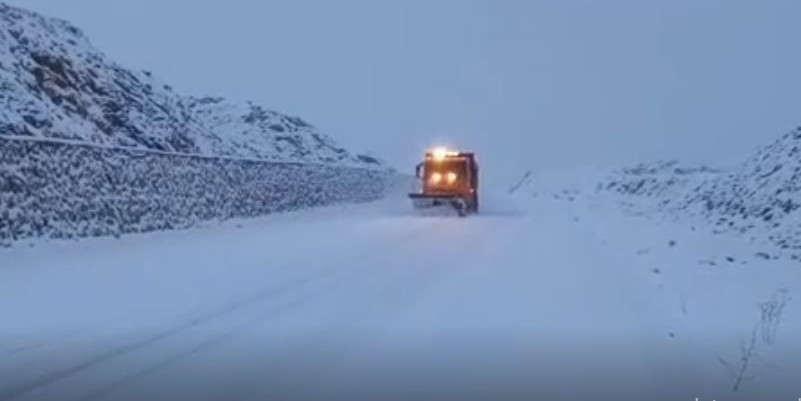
448 177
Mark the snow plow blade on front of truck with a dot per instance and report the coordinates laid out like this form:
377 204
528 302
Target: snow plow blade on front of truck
448 178
423 201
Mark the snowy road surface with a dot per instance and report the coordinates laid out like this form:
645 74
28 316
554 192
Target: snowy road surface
535 298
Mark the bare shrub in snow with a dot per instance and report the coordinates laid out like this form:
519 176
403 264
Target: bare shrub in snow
744 369
772 311
741 370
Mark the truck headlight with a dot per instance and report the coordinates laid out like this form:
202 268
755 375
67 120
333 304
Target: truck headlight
436 178
452 177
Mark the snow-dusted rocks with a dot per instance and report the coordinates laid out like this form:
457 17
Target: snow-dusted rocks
760 197
251 131
60 190
55 85
763 193
662 180
88 147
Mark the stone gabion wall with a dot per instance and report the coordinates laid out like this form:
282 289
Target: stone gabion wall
59 190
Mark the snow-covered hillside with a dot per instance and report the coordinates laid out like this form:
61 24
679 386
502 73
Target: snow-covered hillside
55 85
661 180
759 198
718 248
252 131
90 148
761 195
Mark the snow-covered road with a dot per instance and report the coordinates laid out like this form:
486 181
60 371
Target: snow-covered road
537 298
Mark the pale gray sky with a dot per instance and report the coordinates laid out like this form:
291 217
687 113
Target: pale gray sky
546 84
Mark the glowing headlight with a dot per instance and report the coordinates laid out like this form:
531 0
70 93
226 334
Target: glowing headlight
451 177
436 178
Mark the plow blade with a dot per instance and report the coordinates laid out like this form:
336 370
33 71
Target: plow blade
427 201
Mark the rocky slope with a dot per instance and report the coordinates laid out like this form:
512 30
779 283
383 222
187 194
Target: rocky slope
55 85
762 194
60 190
254 132
90 148
760 198
657 186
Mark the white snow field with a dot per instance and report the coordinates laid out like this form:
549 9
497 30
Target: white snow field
536 298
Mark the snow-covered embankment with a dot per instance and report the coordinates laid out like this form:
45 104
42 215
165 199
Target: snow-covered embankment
59 190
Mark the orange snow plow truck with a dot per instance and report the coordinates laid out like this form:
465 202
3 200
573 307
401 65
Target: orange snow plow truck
448 177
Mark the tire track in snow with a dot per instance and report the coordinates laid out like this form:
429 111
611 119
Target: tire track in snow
25 388
326 355
208 343
275 307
